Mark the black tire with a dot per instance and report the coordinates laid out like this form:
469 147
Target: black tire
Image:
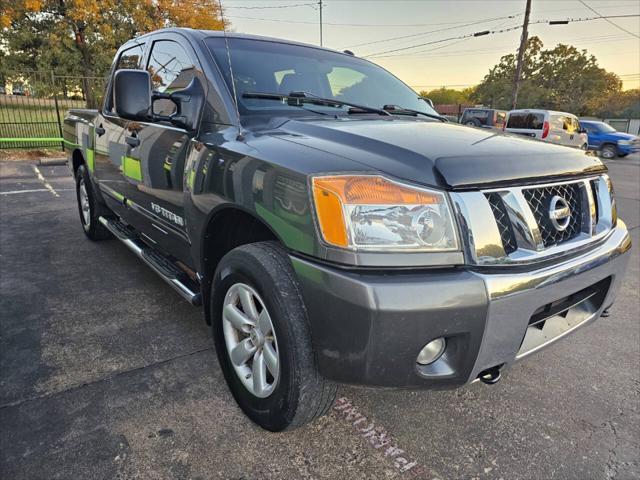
473 122
300 395
91 226
608 151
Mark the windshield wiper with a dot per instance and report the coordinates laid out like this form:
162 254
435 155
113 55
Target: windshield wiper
397 110
296 99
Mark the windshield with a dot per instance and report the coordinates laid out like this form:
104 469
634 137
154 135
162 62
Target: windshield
270 67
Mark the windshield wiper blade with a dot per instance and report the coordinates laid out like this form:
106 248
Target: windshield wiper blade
297 98
402 110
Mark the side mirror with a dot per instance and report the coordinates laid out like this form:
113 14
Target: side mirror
132 94
189 103
428 100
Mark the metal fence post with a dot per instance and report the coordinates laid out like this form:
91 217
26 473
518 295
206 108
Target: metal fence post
55 101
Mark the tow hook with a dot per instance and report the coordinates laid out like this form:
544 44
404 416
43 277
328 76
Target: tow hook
490 376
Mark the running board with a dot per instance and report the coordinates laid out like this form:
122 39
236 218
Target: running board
165 268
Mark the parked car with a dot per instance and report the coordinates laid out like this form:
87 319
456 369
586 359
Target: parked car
333 226
560 128
610 143
18 90
484 117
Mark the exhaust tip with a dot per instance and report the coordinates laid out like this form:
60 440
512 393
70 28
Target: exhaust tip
490 376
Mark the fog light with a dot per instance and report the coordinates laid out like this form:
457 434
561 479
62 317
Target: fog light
432 351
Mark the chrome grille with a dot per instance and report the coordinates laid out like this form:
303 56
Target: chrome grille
539 200
502 219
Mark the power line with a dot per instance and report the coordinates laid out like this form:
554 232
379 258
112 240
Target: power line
600 39
609 21
274 6
491 32
377 25
486 20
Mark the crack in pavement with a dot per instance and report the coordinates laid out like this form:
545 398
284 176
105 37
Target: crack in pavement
111 376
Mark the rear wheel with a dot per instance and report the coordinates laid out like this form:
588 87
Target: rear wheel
263 340
89 207
608 151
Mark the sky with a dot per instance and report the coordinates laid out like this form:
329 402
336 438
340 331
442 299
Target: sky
371 27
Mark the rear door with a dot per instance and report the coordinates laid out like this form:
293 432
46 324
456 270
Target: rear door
154 165
110 147
526 123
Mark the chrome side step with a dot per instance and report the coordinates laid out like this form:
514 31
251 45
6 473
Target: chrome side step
164 267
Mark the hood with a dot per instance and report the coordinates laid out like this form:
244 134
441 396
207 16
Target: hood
622 136
439 154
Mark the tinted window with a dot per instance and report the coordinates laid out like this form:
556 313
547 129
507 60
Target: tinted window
481 115
272 67
171 69
130 58
531 121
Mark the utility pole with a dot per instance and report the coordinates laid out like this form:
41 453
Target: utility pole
521 52
320 4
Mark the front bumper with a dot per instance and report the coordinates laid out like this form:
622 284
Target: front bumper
368 327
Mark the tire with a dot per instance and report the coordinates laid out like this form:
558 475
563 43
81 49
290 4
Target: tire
89 208
608 151
294 393
474 122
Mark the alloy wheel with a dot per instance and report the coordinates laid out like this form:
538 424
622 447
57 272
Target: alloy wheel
250 340
85 208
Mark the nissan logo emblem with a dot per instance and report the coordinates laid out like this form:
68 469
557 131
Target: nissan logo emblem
559 213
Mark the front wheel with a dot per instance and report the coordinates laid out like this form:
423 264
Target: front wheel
608 152
263 339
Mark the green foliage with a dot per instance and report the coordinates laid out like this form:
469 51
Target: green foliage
449 96
80 37
563 78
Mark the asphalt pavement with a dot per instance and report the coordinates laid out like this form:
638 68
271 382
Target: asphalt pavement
105 373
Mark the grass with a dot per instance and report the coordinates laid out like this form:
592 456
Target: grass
30 117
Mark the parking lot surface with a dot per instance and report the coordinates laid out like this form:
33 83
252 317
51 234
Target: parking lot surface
106 373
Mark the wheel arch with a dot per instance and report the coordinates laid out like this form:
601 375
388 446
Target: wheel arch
77 159
226 228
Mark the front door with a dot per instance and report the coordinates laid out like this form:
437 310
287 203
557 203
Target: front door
153 167
110 148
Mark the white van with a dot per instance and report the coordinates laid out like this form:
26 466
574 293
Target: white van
549 126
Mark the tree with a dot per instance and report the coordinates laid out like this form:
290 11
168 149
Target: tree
562 78
448 96
80 37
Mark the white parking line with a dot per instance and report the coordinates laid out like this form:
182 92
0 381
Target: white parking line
13 192
46 184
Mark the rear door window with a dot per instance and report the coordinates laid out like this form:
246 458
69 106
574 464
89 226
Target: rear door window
481 115
526 120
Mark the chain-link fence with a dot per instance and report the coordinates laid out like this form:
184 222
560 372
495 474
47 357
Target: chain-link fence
33 106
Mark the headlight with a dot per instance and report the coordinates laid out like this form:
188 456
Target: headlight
370 212
614 208
624 142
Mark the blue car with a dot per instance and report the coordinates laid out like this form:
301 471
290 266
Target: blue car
608 141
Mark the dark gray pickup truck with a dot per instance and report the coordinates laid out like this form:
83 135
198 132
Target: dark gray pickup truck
334 227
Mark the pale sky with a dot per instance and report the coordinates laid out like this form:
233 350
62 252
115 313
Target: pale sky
458 63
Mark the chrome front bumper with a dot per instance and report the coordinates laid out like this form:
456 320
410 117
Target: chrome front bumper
515 297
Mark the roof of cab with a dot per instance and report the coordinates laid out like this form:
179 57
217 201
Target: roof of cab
202 34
